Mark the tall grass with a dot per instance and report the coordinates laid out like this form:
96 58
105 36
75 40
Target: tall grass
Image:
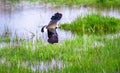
93 24
78 58
14 69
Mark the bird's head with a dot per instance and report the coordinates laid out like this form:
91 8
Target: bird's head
57 16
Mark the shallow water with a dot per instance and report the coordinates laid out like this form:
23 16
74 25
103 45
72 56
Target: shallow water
24 20
40 66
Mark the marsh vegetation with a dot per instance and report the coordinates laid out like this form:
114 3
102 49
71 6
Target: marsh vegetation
95 47
95 3
93 24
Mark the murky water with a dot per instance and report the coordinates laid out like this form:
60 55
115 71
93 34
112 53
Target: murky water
25 20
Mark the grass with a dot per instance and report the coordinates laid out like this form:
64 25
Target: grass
96 3
80 54
82 58
14 69
93 24
5 39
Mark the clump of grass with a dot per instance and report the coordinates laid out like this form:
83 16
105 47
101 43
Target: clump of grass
15 1
66 2
93 24
108 3
5 39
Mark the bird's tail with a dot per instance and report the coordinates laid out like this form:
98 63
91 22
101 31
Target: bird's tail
42 30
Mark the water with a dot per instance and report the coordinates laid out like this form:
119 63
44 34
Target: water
37 66
25 20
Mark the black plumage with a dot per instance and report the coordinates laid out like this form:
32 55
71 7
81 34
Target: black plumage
57 16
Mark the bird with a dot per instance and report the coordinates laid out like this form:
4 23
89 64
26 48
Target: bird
51 28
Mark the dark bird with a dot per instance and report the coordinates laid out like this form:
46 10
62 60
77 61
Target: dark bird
51 28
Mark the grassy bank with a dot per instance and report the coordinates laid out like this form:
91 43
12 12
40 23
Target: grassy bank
96 3
93 24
